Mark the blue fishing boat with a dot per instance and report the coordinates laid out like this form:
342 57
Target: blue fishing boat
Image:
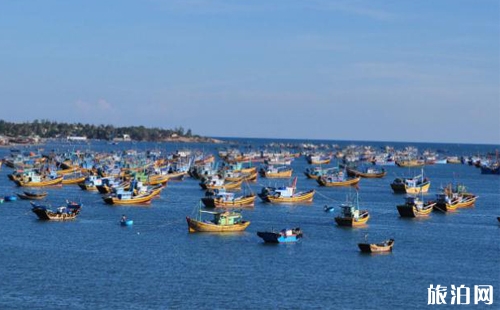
284 236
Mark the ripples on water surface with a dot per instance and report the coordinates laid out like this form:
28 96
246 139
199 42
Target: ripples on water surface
93 263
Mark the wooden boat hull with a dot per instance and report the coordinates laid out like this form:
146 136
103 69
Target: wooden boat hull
53 182
376 247
350 182
301 198
133 201
226 186
198 226
47 215
31 197
320 162
73 180
356 173
412 211
248 201
351 222
278 175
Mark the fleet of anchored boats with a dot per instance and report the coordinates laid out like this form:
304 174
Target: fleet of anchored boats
136 178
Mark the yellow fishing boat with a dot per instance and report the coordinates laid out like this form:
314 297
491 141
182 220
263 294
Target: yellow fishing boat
221 184
286 194
129 198
223 199
351 216
415 207
334 180
452 199
69 170
411 163
227 221
39 181
276 172
68 179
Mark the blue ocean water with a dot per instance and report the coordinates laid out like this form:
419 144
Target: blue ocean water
94 263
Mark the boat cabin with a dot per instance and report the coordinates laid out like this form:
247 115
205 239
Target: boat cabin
227 218
347 211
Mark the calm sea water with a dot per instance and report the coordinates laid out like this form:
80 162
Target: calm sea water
93 263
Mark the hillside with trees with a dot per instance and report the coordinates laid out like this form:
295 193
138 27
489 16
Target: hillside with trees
50 129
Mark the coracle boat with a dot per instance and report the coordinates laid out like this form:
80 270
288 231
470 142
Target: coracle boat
415 207
284 236
454 198
276 172
286 194
32 195
351 216
223 199
366 172
10 198
124 221
226 221
385 246
63 213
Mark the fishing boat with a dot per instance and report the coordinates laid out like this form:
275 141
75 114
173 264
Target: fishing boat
415 207
286 194
39 181
366 172
32 195
217 183
318 159
338 179
385 246
90 183
223 199
63 213
351 216
225 221
411 163
283 236
128 198
317 172
139 195
415 185
453 198
276 172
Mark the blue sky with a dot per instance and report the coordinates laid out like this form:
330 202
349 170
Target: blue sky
423 71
